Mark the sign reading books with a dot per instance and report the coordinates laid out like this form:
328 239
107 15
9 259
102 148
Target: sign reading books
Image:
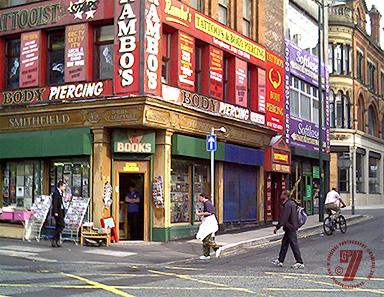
133 141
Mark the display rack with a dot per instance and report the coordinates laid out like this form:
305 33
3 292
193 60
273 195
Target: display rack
34 224
180 193
74 218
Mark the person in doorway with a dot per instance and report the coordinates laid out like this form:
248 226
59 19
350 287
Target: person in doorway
333 201
133 199
58 210
207 228
289 222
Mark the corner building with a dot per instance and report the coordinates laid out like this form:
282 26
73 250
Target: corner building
125 93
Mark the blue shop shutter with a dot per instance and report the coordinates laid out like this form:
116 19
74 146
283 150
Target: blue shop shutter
243 155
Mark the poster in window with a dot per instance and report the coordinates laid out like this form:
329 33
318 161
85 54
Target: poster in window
187 62
75 52
215 72
29 59
261 89
241 83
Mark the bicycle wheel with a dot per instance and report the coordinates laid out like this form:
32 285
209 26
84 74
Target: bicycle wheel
342 224
327 226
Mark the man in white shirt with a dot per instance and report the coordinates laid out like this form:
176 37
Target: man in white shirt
332 202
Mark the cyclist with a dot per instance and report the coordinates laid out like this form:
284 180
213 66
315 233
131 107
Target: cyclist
332 202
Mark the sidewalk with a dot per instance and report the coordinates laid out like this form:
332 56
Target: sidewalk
149 253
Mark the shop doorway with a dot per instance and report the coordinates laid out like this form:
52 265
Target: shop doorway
131 200
277 189
131 187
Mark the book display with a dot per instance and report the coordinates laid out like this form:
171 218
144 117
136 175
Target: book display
201 184
74 218
157 192
39 211
180 193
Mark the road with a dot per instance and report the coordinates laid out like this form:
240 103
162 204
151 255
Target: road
246 274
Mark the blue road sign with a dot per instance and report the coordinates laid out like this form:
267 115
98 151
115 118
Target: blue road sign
211 143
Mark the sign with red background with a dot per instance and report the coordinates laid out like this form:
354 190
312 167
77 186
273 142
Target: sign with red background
76 51
127 48
29 59
241 83
216 73
275 91
187 61
52 14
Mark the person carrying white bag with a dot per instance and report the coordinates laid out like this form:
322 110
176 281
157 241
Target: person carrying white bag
208 226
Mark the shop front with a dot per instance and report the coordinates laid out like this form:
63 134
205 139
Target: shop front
277 167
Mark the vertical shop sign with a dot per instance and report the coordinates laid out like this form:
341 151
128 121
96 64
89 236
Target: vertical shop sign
216 73
275 91
75 52
187 62
127 47
261 89
268 198
152 72
29 59
241 83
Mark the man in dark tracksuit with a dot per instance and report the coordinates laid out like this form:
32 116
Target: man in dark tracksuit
289 222
58 213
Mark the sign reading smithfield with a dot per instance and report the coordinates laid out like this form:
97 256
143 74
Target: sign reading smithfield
128 141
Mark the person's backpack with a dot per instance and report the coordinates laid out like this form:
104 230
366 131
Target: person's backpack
301 216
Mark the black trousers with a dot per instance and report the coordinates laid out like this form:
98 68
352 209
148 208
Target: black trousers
133 221
60 225
290 239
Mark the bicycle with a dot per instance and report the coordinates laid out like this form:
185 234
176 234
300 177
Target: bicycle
330 224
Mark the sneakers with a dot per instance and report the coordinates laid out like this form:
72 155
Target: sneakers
298 266
205 258
276 262
218 252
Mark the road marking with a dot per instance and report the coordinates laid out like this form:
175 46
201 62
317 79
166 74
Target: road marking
322 275
125 275
187 277
183 268
98 285
110 253
25 248
323 290
48 286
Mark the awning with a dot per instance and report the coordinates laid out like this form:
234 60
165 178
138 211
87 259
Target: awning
46 143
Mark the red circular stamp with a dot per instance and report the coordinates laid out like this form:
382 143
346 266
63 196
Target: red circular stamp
350 264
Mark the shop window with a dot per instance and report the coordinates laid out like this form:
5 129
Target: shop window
247 17
75 174
104 37
198 68
294 94
374 175
315 105
11 3
185 174
340 108
198 5
56 51
360 185
305 102
223 11
226 79
372 121
165 68
360 66
12 62
22 183
343 174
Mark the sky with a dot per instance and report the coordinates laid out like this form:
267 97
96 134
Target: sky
380 6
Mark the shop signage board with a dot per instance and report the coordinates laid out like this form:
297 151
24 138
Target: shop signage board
241 82
67 92
278 156
216 72
211 106
76 51
128 141
187 61
300 132
29 59
52 14
127 47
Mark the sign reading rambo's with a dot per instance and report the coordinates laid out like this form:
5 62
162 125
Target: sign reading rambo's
53 13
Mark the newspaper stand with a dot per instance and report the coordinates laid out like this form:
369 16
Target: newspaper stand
34 224
74 218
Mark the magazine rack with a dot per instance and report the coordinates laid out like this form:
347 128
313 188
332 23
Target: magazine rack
74 218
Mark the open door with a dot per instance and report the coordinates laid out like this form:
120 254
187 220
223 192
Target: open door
131 199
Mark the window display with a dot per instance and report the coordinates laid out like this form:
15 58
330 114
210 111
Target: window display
180 192
201 183
22 182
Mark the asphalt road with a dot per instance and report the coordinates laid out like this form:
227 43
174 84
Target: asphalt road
246 274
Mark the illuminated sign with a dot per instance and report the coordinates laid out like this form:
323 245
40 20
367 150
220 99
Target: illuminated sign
281 157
